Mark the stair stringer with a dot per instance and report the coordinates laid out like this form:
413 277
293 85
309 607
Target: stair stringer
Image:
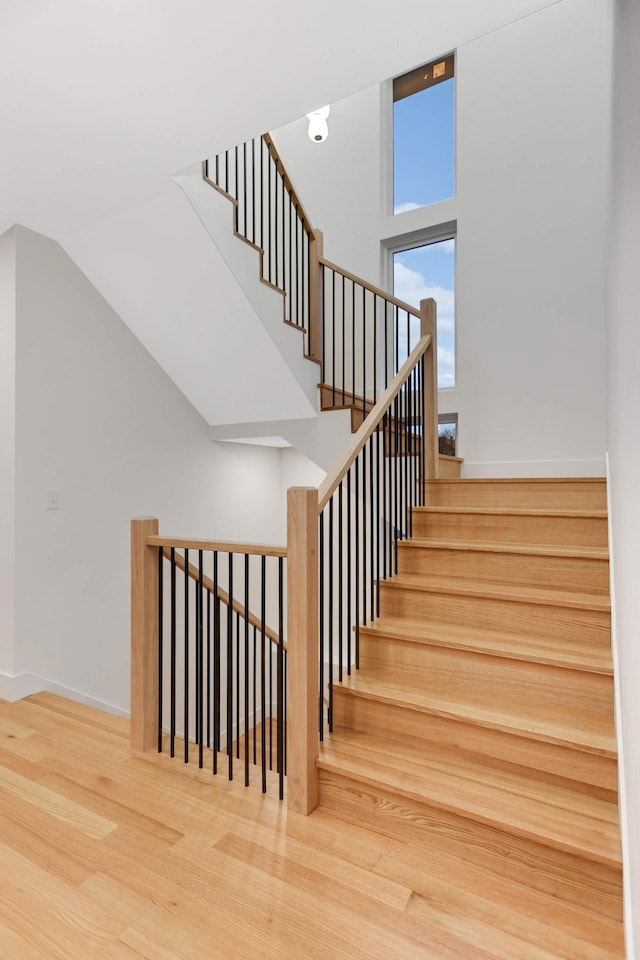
217 215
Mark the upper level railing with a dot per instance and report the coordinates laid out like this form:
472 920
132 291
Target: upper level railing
367 336
360 334
269 215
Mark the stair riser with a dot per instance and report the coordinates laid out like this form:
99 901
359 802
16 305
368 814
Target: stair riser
529 619
585 574
564 876
519 495
586 772
472 674
561 531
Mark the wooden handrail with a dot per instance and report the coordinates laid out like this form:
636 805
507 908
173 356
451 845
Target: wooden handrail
370 424
370 286
236 606
223 546
287 182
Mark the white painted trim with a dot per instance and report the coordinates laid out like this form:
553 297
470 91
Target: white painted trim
534 468
22 685
622 792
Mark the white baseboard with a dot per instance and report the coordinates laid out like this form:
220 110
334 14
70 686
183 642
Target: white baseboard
534 468
22 685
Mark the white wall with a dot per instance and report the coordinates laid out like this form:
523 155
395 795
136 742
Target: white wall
623 357
7 447
97 419
532 176
532 172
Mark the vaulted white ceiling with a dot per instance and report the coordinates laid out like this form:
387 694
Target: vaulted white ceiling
102 100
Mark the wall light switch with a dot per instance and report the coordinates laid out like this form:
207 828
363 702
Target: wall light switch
53 499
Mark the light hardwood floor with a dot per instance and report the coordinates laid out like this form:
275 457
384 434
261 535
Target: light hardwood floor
108 856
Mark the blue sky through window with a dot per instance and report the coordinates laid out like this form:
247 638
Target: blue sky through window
428 271
423 147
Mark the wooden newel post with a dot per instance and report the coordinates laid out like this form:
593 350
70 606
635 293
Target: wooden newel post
316 312
144 636
302 648
428 326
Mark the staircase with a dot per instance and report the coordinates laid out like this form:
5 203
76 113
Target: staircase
481 722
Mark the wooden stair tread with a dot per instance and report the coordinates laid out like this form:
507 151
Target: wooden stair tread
501 590
490 546
470 481
514 512
544 812
564 725
496 643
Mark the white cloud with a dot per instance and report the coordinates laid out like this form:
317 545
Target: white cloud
412 287
446 246
405 207
446 367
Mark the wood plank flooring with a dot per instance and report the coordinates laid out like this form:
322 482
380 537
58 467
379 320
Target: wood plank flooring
108 856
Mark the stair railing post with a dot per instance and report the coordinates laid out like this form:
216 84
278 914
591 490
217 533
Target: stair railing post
316 311
144 636
302 648
428 327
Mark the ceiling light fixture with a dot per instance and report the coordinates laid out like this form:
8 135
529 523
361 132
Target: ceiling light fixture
318 129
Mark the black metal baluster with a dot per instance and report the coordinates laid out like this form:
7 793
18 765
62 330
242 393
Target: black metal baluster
261 191
236 191
244 185
246 670
253 189
172 732
200 712
284 256
340 617
196 650
290 245
386 345
372 504
330 614
383 519
424 432
324 271
321 621
356 540
349 571
263 675
160 644
208 668
375 347
408 333
186 656
333 338
216 664
238 685
353 340
255 700
275 218
364 537
284 710
396 484
270 705
226 171
343 342
217 170
230 670
269 244
396 313
297 259
378 517
364 367
280 678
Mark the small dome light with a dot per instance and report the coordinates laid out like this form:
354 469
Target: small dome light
318 129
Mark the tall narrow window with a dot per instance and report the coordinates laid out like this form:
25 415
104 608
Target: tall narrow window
423 136
429 271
